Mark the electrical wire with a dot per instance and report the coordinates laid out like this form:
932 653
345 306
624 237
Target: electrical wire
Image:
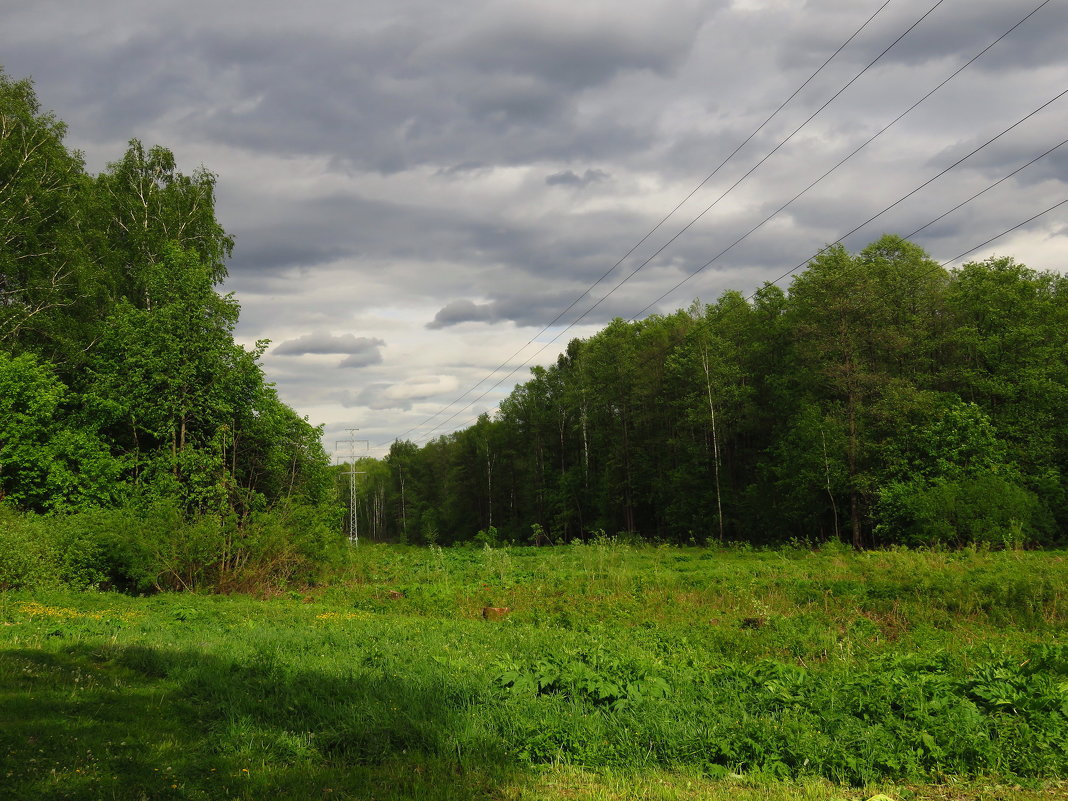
868 221
702 325
671 213
867 142
685 228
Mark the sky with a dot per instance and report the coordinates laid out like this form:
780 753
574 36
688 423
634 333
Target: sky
419 189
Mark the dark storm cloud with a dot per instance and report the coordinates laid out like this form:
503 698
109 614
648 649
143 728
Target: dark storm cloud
952 32
480 166
259 254
383 98
339 227
463 311
537 309
959 30
360 350
585 53
570 178
1006 157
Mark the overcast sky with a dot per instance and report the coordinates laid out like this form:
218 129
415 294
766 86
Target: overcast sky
418 187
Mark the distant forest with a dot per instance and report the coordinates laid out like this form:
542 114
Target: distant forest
880 400
121 386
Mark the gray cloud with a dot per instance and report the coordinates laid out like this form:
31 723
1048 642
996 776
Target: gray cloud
402 395
370 356
425 161
374 397
360 351
570 178
462 311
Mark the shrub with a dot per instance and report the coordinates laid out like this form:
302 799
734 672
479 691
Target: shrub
154 547
27 561
986 508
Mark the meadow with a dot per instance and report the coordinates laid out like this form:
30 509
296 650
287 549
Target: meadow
617 672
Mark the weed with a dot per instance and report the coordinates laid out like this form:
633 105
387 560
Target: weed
622 669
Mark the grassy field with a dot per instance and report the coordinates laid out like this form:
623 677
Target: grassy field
618 673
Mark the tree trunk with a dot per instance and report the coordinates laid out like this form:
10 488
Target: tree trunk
489 486
715 442
404 511
854 496
627 490
827 473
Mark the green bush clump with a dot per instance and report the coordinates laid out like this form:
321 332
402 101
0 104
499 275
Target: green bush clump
986 508
39 551
156 547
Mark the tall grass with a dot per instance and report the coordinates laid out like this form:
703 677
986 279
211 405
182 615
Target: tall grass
702 667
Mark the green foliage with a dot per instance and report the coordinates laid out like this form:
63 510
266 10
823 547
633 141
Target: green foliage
606 682
900 666
156 547
40 552
982 508
956 486
489 537
122 390
878 402
47 279
47 461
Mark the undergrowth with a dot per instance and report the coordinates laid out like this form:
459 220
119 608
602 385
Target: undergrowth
711 670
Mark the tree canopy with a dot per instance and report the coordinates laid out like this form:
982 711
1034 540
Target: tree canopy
121 385
880 399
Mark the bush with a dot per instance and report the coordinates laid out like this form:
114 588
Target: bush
155 547
986 508
27 560
38 551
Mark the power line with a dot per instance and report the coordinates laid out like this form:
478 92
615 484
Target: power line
681 231
680 204
1003 233
984 191
867 142
926 183
700 326
788 272
704 324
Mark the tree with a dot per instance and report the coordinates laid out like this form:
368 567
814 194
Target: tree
866 340
171 376
401 460
45 277
47 461
142 204
1007 352
952 482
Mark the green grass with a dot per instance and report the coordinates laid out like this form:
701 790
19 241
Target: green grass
621 672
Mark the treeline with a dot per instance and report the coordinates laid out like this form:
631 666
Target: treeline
881 399
121 386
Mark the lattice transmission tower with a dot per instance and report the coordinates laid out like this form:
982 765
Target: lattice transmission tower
352 472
